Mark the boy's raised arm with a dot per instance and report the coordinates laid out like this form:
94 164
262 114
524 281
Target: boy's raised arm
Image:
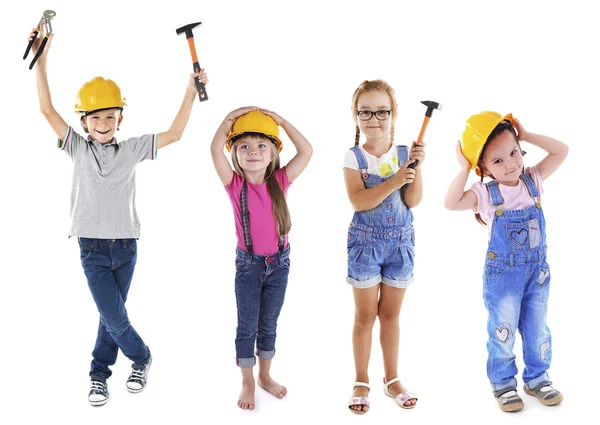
46 108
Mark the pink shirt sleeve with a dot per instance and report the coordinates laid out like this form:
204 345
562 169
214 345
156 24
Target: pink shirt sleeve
484 205
235 184
282 179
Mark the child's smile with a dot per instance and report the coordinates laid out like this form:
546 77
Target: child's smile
102 125
502 159
254 154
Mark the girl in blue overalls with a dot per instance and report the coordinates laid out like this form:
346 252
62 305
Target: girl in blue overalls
382 189
516 275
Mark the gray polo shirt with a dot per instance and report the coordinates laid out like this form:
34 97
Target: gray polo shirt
103 191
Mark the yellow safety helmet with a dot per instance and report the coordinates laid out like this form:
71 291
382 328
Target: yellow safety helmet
255 122
478 129
98 93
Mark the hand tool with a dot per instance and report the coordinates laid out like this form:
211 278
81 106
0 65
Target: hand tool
47 16
430 107
187 29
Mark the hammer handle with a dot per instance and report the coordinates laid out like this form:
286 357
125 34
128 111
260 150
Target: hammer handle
202 95
192 49
423 128
420 138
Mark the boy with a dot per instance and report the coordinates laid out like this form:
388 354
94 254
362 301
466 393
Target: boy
103 214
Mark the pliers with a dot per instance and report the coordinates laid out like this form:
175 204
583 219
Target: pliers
45 20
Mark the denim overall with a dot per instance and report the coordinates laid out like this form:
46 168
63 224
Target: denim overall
381 240
260 285
516 285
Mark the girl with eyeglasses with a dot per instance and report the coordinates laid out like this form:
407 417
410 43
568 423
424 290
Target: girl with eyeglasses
384 183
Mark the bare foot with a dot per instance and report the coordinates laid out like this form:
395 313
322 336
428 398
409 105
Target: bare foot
360 392
397 388
246 399
272 387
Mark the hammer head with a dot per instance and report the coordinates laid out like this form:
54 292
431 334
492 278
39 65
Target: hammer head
431 105
187 29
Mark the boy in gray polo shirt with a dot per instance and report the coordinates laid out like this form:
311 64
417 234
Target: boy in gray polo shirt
103 214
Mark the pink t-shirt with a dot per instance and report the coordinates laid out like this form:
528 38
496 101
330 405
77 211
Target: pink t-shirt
263 227
515 197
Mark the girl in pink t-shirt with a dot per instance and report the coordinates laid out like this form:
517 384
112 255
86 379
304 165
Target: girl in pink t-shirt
257 187
516 274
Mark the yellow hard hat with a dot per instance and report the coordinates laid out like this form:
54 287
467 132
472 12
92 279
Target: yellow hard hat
478 129
99 93
254 122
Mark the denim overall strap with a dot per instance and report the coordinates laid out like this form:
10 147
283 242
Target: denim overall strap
494 192
362 162
402 154
533 191
246 221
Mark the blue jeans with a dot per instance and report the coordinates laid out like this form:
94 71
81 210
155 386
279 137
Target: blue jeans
108 265
516 296
260 284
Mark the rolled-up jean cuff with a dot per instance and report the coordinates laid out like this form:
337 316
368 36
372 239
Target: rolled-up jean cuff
266 355
99 377
511 383
246 361
397 283
536 381
363 284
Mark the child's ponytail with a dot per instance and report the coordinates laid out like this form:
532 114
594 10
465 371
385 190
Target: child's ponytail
280 207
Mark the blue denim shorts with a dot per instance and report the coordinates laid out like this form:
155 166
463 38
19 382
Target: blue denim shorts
380 255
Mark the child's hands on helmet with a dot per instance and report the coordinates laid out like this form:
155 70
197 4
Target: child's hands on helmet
521 132
404 175
38 41
462 161
417 151
280 121
236 113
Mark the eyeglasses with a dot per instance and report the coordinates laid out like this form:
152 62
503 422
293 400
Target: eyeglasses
381 115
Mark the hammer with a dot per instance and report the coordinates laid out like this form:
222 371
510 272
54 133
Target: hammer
430 107
187 29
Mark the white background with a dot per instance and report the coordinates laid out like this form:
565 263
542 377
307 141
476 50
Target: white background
302 59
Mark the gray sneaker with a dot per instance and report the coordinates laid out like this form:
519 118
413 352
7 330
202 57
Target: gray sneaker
138 378
99 394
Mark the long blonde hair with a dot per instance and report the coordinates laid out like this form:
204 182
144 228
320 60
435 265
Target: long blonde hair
280 207
369 86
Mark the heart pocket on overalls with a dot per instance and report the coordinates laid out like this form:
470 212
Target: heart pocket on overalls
519 237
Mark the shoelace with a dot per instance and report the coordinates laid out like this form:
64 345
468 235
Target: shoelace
137 374
98 386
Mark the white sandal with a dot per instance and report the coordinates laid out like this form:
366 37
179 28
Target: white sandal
400 398
359 401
